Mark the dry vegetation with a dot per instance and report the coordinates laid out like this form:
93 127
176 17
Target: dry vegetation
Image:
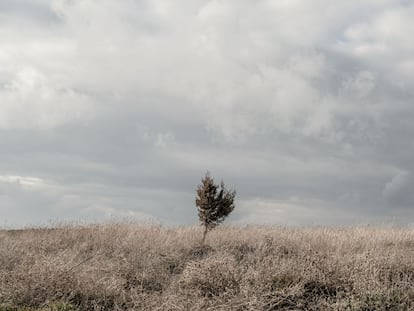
135 267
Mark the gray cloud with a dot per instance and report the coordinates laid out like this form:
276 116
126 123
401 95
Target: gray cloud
116 109
398 191
35 10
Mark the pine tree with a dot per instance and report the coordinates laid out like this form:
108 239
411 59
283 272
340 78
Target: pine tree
214 203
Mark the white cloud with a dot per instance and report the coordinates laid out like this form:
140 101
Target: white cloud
31 100
24 181
293 212
282 99
383 41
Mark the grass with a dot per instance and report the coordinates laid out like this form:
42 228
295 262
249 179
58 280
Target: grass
138 267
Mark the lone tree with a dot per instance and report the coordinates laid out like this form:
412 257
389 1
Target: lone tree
214 203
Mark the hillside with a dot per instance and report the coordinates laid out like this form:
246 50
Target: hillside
138 267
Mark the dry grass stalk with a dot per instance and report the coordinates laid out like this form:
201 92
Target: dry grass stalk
136 267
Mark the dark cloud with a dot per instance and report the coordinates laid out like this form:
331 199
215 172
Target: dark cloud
34 10
120 108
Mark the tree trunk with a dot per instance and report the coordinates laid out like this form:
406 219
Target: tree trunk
204 235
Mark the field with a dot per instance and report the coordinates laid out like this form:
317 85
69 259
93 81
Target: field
149 267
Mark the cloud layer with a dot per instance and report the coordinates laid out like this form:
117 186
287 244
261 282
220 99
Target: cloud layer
117 108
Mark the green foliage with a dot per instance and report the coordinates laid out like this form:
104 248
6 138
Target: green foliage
214 203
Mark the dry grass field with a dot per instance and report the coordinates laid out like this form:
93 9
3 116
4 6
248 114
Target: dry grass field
138 267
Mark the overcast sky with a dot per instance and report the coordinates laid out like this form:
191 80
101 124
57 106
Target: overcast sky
116 109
